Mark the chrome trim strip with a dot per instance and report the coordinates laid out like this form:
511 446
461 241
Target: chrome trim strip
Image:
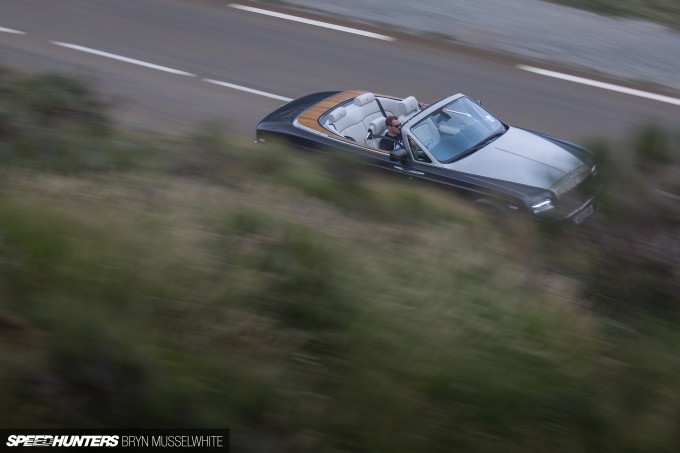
580 208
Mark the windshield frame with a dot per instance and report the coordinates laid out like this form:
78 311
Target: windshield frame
468 113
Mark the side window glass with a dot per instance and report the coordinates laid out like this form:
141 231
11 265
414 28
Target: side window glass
418 153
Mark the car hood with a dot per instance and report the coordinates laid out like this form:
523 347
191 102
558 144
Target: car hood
522 157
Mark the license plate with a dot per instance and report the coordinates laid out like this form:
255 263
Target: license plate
583 214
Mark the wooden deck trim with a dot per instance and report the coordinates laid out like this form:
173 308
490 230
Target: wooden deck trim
310 117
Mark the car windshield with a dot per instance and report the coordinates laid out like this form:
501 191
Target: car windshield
457 130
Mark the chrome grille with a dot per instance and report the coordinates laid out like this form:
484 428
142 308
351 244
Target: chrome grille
571 180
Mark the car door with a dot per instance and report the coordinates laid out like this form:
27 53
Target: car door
421 164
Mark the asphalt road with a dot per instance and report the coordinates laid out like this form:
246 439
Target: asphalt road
624 48
156 61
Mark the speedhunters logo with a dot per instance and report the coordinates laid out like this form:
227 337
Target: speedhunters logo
46 440
201 439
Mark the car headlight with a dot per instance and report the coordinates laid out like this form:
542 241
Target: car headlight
543 206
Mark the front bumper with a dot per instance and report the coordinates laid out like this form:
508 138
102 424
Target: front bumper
582 213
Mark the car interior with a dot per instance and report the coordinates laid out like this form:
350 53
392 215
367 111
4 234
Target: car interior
362 120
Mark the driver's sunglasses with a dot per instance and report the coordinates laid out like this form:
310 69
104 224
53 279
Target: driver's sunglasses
396 125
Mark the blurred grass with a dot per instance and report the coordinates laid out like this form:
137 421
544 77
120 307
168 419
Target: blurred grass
666 12
310 305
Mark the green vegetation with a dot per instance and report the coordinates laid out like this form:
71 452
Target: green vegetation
663 11
310 305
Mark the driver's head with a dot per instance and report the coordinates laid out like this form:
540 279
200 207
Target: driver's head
393 124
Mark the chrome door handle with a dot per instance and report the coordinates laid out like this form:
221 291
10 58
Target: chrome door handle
412 172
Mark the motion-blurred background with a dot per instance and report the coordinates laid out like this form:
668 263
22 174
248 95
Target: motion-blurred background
156 276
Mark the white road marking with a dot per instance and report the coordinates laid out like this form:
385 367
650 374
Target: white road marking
9 30
166 69
312 22
121 58
248 90
606 86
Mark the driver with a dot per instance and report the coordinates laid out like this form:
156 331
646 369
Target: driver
392 137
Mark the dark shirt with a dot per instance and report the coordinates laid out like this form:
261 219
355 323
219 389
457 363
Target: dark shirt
388 142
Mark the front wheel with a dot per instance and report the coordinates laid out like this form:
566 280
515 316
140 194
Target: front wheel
494 211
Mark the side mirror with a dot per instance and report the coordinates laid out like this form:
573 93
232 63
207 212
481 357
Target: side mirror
399 155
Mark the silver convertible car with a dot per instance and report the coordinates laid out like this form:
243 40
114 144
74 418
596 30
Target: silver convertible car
454 142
